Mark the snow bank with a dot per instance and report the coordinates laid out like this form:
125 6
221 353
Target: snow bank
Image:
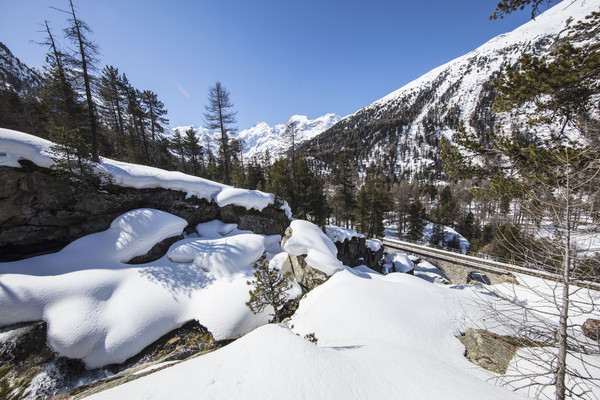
308 239
132 234
374 244
378 338
219 257
337 234
399 263
103 311
16 145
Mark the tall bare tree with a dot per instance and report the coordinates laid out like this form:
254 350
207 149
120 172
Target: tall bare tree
220 115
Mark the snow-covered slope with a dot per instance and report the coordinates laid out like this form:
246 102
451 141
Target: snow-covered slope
16 76
402 130
261 137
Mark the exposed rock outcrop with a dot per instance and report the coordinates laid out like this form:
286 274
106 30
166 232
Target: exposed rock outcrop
41 212
354 252
26 349
591 328
488 350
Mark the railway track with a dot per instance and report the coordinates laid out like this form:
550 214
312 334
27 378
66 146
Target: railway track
478 263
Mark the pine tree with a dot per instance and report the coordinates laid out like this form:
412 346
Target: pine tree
270 289
112 107
155 112
372 201
343 199
77 32
416 221
193 150
219 115
279 179
176 144
66 114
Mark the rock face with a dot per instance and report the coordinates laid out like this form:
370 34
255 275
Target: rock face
488 350
354 252
591 328
27 351
306 276
41 212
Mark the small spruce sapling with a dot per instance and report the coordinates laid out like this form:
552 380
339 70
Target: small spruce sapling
270 289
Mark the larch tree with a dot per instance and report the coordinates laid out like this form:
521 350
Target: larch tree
554 166
220 115
78 32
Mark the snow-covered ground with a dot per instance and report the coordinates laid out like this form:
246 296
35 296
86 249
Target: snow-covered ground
379 337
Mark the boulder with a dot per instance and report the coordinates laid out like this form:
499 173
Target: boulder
591 328
477 277
354 252
24 347
306 276
488 350
41 212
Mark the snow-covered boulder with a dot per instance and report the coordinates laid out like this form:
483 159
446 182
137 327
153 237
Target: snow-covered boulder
355 250
41 212
312 256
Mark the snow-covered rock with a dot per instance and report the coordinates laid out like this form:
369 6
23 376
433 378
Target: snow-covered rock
103 311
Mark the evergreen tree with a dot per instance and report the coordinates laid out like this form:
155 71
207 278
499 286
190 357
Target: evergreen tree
193 150
112 107
77 32
416 221
155 112
557 175
279 179
66 114
219 115
256 175
372 201
270 289
343 199
177 144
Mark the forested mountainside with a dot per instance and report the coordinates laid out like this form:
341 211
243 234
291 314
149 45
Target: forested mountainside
400 133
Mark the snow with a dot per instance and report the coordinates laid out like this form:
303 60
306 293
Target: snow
399 263
308 239
338 234
374 244
379 337
17 145
262 137
103 311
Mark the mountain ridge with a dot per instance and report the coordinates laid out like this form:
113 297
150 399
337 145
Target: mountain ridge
400 133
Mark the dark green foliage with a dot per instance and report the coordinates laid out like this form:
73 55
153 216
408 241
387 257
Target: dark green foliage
416 221
372 201
343 199
192 150
12 391
506 7
270 289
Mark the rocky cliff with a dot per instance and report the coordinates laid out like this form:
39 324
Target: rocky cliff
41 212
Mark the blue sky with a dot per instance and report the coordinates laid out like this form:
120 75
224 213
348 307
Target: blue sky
276 57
